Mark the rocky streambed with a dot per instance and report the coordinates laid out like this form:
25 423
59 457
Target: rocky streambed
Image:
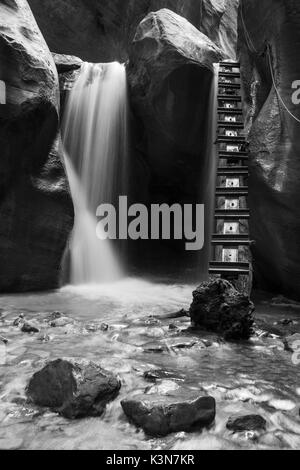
143 379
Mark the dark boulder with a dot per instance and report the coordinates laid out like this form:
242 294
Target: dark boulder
170 75
246 423
74 390
217 306
161 415
29 328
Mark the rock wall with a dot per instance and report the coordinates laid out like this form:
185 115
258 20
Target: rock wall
170 75
269 46
36 212
101 31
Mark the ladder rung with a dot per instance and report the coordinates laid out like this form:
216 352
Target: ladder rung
235 86
241 191
230 124
229 98
237 111
233 139
235 242
230 74
228 63
238 170
229 271
232 214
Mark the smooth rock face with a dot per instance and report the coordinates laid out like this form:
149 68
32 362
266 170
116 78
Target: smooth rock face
246 423
101 31
36 211
159 416
217 306
170 75
274 139
72 389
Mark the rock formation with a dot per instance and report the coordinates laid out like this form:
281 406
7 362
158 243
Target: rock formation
74 390
36 208
270 47
101 31
217 306
161 415
170 75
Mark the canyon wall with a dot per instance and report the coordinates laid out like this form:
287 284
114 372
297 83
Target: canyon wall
102 31
36 211
269 41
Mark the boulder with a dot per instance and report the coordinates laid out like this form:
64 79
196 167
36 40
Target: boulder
66 63
160 416
246 423
102 31
74 390
35 204
269 59
170 75
217 306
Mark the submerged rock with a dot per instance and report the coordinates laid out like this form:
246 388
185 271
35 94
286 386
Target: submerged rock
217 306
29 328
246 423
74 390
159 374
159 416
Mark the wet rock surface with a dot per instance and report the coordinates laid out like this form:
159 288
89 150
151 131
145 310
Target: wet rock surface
159 416
74 390
217 306
246 423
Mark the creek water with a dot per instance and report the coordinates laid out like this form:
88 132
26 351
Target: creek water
123 327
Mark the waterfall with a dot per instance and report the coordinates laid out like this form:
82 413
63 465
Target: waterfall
94 134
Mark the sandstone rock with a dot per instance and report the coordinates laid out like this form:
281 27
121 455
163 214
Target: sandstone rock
217 306
66 63
246 423
159 416
102 31
274 137
35 205
74 390
170 75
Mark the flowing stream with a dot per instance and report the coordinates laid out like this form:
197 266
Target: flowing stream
254 377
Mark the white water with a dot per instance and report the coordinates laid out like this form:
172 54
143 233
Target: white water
96 154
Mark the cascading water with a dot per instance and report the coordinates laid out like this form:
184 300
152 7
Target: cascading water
95 138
